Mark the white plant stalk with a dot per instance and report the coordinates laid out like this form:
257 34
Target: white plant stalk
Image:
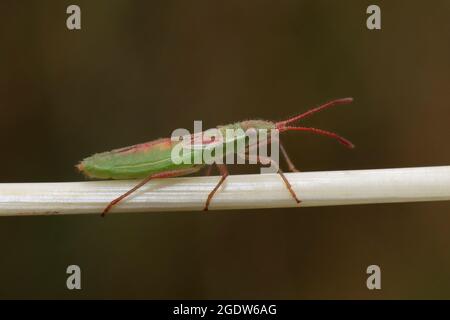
238 192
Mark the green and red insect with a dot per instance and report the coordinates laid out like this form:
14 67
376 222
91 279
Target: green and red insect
152 160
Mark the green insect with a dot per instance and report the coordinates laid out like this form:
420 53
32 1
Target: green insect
152 160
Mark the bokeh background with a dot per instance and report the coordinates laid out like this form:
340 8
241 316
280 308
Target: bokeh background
139 69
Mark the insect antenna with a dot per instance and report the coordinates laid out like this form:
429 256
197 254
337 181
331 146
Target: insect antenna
327 105
283 125
329 134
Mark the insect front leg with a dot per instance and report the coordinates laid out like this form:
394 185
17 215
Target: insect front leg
224 172
290 164
279 171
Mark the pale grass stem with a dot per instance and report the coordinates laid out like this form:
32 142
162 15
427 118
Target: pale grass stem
327 188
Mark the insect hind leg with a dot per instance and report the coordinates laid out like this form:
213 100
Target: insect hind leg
159 175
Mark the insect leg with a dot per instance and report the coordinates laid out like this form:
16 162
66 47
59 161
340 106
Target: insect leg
291 165
208 170
288 185
280 172
224 172
166 174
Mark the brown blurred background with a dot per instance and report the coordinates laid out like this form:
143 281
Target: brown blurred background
139 69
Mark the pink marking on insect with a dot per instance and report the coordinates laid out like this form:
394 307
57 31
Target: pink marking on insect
142 147
200 140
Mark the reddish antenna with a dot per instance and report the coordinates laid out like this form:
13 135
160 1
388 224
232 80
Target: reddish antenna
282 125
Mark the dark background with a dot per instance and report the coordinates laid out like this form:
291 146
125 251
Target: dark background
139 69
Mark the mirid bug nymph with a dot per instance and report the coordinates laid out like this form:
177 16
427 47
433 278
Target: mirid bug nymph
152 160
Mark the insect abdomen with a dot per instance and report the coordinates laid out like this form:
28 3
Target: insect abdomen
133 162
